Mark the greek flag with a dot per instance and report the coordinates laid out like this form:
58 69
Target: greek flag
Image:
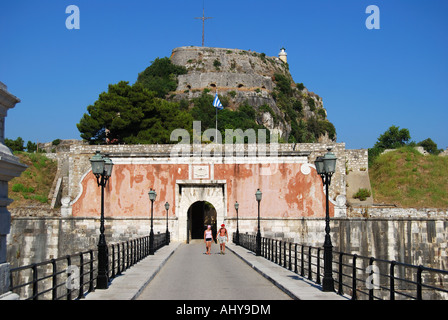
216 103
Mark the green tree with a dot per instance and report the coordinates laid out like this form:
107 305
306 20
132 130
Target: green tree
15 145
429 145
393 138
204 111
131 114
31 147
161 76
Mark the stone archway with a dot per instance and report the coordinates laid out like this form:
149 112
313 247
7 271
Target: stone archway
189 192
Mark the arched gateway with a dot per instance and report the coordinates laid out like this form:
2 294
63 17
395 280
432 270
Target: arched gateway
192 194
200 215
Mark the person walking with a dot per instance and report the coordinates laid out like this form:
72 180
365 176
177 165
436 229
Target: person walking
208 237
223 237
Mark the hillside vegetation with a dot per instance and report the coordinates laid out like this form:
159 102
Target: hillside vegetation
148 111
34 184
407 178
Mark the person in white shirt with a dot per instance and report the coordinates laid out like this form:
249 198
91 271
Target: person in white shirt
208 238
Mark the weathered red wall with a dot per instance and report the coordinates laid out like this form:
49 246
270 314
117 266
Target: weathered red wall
126 194
286 193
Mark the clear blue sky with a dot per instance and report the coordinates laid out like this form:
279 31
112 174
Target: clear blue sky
368 79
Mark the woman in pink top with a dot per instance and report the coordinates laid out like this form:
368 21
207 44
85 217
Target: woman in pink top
208 237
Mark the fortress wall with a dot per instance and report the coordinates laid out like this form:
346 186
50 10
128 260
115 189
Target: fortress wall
357 160
357 175
234 61
291 189
410 240
223 80
338 185
35 239
79 164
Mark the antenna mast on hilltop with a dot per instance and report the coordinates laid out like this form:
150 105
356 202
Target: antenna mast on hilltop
203 18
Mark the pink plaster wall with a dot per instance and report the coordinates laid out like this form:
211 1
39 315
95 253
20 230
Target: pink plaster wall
286 193
126 194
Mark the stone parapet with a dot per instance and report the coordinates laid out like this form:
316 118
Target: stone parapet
406 239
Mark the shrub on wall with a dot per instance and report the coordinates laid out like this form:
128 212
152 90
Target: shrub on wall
362 194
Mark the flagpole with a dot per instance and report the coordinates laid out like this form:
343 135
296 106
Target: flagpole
216 136
217 104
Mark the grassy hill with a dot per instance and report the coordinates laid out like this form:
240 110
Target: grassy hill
408 179
33 186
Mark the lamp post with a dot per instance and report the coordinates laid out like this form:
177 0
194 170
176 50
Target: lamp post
152 196
258 249
167 233
237 227
102 169
325 167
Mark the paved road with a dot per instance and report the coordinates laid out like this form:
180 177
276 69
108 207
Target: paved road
190 274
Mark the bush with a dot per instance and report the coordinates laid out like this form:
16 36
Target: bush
232 93
283 84
362 194
321 112
161 76
311 103
18 187
297 106
42 199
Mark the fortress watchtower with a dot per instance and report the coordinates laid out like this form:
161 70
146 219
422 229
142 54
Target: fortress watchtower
283 55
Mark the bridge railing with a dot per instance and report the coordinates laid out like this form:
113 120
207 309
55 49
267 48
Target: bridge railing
357 276
73 276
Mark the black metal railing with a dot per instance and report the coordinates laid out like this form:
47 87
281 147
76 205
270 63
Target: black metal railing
73 276
378 279
357 276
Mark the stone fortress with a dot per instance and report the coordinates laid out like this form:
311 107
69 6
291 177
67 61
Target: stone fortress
243 76
227 69
293 205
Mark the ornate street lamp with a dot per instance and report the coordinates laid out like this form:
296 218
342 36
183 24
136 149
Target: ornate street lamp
152 196
102 169
237 227
258 249
167 233
325 167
